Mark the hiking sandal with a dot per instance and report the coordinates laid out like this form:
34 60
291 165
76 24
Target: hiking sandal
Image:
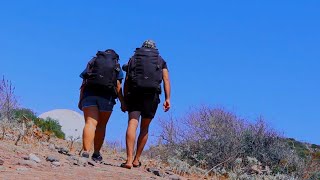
136 166
124 165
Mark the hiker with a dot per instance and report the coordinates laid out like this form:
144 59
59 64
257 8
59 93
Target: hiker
100 87
145 71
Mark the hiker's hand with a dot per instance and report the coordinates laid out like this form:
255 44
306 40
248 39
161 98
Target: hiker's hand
166 105
123 107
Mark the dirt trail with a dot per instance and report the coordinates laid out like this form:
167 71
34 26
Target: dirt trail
17 165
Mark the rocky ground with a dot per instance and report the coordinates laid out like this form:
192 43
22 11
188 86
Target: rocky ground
53 160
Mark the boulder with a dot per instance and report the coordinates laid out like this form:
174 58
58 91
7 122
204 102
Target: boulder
52 159
34 158
28 163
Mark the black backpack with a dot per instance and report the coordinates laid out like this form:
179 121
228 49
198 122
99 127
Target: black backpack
103 69
145 70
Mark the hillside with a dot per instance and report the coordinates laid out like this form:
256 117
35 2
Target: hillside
207 143
31 161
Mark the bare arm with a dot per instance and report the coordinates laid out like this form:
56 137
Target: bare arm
120 96
167 89
126 87
119 91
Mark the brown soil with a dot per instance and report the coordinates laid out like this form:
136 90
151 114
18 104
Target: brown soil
12 154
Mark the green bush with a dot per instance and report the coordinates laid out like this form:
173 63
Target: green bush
314 146
299 147
28 113
48 124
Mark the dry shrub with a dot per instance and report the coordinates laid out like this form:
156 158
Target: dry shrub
213 137
8 103
312 170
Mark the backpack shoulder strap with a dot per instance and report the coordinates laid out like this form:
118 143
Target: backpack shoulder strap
160 62
130 64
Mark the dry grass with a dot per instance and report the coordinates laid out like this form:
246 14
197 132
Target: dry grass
211 141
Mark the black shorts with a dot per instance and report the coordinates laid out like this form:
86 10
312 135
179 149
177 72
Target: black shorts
147 104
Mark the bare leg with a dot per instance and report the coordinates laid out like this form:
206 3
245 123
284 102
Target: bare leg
142 140
91 115
101 130
131 135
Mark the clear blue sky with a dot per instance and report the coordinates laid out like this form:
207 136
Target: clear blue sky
251 57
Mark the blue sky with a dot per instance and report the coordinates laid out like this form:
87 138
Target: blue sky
251 57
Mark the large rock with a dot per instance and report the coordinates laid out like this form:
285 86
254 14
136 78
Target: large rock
71 122
64 150
174 177
78 161
28 163
45 143
72 158
169 173
52 159
34 158
56 164
156 172
22 169
81 161
52 147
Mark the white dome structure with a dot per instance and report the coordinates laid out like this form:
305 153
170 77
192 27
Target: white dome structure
71 122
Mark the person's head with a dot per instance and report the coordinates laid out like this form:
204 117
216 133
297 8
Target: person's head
149 44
